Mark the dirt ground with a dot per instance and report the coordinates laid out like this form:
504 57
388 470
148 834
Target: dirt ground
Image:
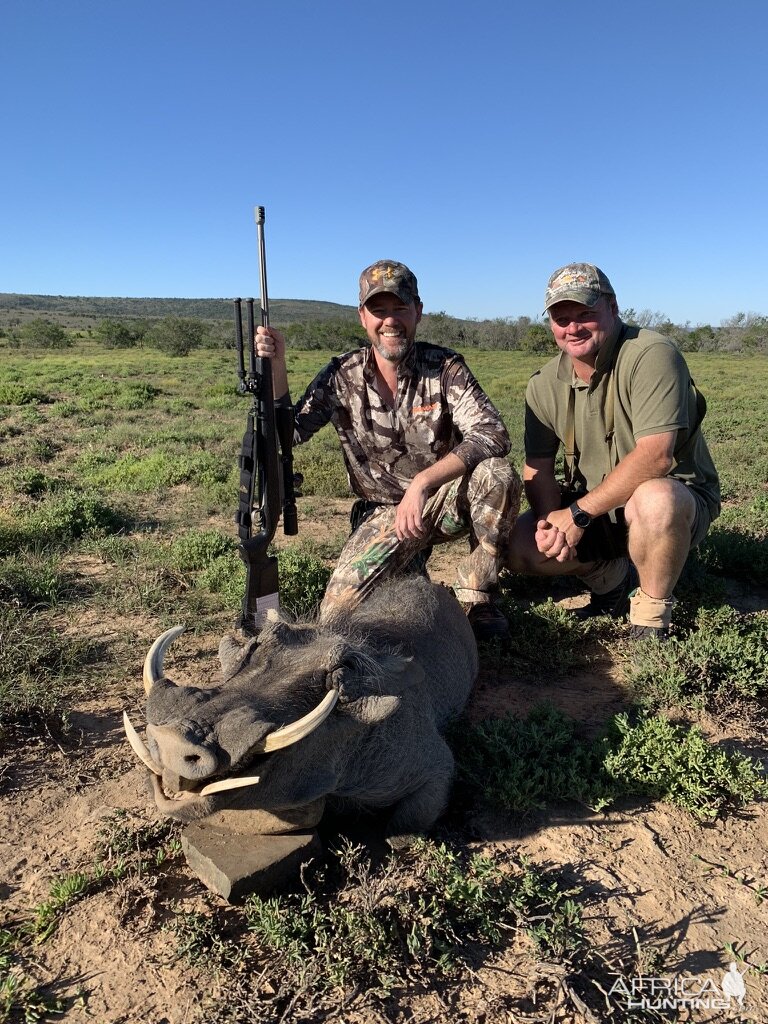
655 883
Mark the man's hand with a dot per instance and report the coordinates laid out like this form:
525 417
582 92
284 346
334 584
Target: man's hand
269 343
558 535
408 519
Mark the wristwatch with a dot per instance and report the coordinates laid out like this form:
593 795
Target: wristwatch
581 518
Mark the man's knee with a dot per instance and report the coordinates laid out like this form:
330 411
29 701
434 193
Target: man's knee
495 479
520 552
660 505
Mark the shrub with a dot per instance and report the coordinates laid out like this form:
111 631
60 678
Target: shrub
303 579
522 764
433 914
38 666
719 665
68 515
42 333
302 576
737 544
31 582
15 393
664 761
176 335
198 549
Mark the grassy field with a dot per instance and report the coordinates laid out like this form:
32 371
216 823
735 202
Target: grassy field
117 492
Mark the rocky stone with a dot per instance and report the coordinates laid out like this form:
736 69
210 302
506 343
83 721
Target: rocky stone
235 865
255 822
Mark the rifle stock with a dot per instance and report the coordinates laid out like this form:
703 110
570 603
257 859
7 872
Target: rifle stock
266 463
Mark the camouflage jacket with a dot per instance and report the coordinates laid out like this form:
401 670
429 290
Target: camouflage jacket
440 408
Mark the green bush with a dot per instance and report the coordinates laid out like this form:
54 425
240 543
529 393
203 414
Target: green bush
719 665
32 582
67 515
303 579
198 549
737 544
15 393
435 914
523 764
42 333
658 759
302 575
176 335
38 666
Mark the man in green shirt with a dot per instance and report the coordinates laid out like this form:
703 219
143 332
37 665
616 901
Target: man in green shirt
643 488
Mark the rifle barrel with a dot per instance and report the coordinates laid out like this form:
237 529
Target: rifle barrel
259 210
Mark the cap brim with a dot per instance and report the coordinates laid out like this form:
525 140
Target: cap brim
584 296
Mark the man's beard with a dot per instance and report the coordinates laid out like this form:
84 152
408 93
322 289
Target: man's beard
393 355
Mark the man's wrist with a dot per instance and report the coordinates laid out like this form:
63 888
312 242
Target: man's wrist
581 518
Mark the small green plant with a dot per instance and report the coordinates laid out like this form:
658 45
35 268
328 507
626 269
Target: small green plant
303 578
63 892
33 581
15 393
33 483
38 666
524 764
658 759
721 665
68 515
20 997
199 941
428 915
521 764
737 544
198 549
546 640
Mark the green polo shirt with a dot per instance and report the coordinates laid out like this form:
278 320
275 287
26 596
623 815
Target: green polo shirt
653 394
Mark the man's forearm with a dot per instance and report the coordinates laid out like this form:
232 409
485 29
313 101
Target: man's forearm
645 462
450 467
541 489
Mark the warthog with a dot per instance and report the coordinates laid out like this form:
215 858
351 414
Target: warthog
353 710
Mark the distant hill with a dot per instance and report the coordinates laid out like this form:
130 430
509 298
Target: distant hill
77 311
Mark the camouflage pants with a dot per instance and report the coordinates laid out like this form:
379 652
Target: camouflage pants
481 505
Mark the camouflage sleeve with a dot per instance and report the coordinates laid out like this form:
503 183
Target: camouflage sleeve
475 417
315 408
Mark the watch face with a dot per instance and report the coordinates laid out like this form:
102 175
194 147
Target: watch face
581 518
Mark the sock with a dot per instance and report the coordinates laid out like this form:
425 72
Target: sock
650 611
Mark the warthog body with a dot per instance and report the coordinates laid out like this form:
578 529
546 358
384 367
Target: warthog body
403 664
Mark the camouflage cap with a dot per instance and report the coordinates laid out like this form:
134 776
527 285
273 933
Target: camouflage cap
577 282
388 276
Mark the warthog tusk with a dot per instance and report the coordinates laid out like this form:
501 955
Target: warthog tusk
224 784
297 730
153 663
138 746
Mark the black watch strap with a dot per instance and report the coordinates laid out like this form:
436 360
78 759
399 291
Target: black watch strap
581 518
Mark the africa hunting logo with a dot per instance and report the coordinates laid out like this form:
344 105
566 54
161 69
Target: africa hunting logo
681 992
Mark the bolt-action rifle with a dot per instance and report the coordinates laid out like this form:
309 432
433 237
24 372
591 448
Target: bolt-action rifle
266 462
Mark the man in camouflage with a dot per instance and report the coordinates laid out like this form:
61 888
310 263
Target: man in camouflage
424 447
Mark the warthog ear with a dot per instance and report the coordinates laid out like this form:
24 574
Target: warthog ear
373 698
233 655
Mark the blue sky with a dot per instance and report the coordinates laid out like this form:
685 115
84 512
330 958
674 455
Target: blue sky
483 144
